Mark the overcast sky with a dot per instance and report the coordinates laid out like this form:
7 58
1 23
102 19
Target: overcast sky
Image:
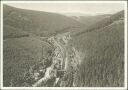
87 8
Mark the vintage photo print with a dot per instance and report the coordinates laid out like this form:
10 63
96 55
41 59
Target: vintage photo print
64 45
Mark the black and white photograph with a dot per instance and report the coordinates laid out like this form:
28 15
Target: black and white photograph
63 44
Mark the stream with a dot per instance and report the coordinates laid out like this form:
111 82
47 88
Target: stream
65 61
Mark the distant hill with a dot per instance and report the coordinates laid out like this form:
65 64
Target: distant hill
104 22
103 48
37 22
70 14
90 20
